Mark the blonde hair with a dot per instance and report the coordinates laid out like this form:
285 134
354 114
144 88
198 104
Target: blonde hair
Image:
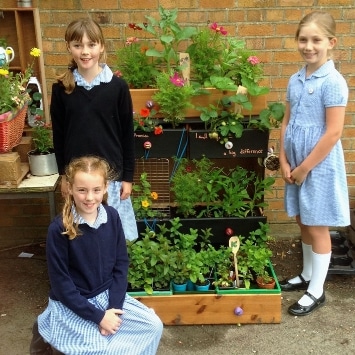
88 164
323 20
75 32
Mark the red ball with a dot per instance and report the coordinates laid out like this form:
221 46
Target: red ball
229 232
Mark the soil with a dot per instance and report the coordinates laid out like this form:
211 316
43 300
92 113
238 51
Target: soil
24 292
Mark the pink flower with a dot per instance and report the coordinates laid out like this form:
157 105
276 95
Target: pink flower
217 28
131 40
177 80
253 60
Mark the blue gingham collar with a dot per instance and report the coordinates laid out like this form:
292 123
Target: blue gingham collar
105 76
100 219
324 70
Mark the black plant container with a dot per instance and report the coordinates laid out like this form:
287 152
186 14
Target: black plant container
239 226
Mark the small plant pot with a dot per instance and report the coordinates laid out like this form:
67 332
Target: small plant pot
265 285
190 286
202 288
179 287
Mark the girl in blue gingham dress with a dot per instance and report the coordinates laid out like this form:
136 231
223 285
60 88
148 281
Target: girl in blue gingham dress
312 158
89 312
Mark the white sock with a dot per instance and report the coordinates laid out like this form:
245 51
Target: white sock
307 264
320 265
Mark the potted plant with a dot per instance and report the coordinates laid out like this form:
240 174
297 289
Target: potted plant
13 102
255 254
150 264
42 158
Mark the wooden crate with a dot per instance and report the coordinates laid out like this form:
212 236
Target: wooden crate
193 309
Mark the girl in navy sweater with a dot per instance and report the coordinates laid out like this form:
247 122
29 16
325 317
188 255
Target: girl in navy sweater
92 114
89 311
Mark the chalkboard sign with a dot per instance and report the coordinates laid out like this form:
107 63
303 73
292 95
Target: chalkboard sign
252 143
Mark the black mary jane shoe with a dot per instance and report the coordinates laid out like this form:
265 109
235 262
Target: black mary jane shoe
297 310
286 286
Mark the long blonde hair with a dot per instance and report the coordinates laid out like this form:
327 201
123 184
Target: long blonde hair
87 164
75 32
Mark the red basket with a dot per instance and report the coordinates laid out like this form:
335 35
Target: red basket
11 131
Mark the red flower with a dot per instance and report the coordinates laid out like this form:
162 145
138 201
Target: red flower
134 26
144 112
158 130
217 28
177 80
118 73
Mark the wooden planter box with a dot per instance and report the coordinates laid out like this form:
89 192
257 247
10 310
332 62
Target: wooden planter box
240 226
141 96
253 143
258 305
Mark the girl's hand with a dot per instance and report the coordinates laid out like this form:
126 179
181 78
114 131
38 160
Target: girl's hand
126 190
298 175
286 173
111 321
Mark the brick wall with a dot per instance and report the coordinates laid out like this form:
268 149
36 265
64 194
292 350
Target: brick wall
268 26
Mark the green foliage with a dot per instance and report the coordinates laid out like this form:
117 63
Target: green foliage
199 184
168 32
134 66
270 117
172 99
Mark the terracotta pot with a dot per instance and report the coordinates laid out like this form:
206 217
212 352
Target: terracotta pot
261 284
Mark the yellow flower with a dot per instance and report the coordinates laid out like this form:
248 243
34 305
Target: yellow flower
145 204
35 52
4 72
8 51
154 195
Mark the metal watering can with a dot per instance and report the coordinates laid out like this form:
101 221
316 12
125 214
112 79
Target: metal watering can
6 55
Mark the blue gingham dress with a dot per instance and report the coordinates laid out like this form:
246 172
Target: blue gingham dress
124 207
139 333
322 199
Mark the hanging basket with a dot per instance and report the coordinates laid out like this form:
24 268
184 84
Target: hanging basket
11 129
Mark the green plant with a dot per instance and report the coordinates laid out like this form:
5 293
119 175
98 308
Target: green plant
143 199
13 93
42 137
255 253
202 189
173 97
186 262
169 34
150 262
132 63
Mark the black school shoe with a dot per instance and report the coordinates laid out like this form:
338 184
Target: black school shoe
286 286
297 310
